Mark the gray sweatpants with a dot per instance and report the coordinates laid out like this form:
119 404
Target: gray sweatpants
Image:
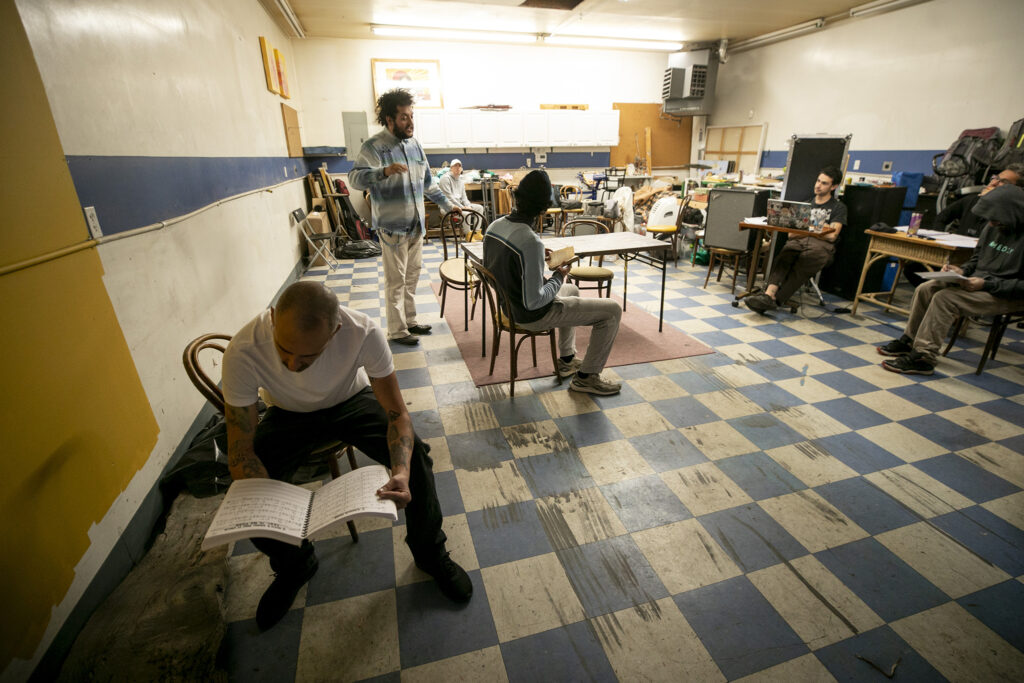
937 304
569 311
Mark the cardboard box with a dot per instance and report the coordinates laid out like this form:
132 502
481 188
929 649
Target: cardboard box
319 224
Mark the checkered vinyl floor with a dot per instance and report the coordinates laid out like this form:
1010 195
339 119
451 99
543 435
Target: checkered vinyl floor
783 509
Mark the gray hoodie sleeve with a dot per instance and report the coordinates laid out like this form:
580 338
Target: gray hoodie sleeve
537 291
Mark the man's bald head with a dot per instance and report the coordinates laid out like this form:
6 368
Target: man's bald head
309 306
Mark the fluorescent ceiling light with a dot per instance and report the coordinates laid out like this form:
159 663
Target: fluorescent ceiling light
586 41
880 6
776 36
452 34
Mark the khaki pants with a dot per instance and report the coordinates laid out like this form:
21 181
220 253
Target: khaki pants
402 255
937 304
569 311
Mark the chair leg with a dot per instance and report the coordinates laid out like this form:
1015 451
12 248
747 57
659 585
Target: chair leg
513 357
495 346
711 266
533 348
735 270
444 293
995 335
554 355
957 329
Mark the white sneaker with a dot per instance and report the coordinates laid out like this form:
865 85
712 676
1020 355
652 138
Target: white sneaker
566 370
593 384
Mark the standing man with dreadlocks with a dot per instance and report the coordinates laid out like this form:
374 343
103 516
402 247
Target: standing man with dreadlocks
394 168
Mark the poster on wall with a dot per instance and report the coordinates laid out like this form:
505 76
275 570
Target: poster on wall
421 77
269 66
282 75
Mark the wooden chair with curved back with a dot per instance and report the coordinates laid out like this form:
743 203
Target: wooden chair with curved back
599 275
571 198
502 320
329 451
452 271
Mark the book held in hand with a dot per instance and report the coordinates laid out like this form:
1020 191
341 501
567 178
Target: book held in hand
267 508
943 276
559 257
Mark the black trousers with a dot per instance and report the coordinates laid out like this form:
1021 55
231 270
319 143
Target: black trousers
796 263
285 440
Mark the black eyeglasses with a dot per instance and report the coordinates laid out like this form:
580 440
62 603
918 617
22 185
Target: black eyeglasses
998 181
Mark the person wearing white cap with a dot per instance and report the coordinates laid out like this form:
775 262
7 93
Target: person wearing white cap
455 190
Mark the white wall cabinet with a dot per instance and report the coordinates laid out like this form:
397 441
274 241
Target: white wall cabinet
488 129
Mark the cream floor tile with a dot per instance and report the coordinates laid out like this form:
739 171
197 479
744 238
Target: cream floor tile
420 398
638 419
960 390
1010 508
671 366
810 422
718 440
808 389
566 403
467 417
479 665
654 642
459 544
364 304
701 312
815 604
807 668
919 492
501 485
959 646
738 376
437 341
425 299
877 376
867 352
248 577
807 326
578 517
707 300
985 424
890 405
440 453
744 353
365 289
810 464
905 444
535 438
997 459
613 462
530 596
349 639
704 488
942 560
449 373
410 360
871 337
656 388
812 521
730 403
748 334
695 326
1012 373
807 343
807 364
685 556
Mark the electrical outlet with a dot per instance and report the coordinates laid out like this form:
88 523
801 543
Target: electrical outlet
886 165
285 168
856 164
93 222
540 157
529 162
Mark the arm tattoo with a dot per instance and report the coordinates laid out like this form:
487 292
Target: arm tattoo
241 429
399 444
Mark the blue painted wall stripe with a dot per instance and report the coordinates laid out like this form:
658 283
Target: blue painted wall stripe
911 160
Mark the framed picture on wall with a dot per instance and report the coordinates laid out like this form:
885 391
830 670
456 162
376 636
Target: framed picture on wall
421 77
270 66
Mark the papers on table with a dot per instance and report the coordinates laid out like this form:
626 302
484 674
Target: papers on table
759 220
944 237
943 276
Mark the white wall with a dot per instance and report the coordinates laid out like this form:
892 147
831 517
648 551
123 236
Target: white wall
335 77
910 79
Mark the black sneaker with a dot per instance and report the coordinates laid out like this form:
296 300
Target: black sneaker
912 363
451 578
897 347
280 595
760 302
407 340
419 329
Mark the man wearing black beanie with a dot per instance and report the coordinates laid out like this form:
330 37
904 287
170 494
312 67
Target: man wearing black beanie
515 255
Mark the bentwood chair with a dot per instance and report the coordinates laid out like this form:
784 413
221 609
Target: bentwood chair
329 451
453 271
600 276
502 321
995 335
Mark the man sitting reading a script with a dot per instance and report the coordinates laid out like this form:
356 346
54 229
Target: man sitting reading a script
517 257
327 374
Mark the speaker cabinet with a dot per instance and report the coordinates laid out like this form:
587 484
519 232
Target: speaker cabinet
866 206
726 209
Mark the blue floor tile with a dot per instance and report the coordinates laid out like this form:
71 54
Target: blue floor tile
644 502
857 453
627 397
882 647
684 411
413 377
588 429
448 493
751 537
837 339
570 653
611 575
479 450
883 581
715 339
989 537
1011 411
427 424
698 382
774 370
553 474
776 348
998 607
770 397
947 434
740 629
636 371
253 655
759 475
965 477
348 569
868 506
840 359
926 397
851 413
507 533
845 383
431 627
519 410
668 450
765 430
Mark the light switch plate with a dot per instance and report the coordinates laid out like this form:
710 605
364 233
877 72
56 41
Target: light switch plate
93 222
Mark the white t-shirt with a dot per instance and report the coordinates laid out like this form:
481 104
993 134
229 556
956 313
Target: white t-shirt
253 369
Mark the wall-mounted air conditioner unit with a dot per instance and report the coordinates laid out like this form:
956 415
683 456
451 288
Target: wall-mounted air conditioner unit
689 85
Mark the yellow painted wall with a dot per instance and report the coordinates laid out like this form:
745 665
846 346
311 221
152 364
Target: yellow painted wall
75 423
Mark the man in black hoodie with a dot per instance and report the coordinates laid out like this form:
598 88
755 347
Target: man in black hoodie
993 284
